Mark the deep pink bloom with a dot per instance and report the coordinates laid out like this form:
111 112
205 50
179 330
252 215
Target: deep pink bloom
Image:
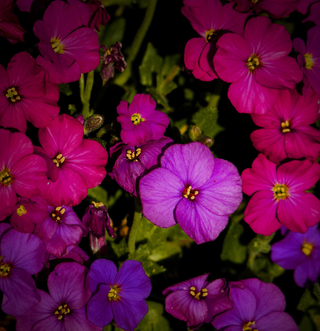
211 20
25 94
21 172
303 6
140 121
257 65
74 164
279 195
314 15
286 129
309 59
99 15
67 47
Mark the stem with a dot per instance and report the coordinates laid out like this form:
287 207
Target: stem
81 85
136 44
87 94
214 101
135 226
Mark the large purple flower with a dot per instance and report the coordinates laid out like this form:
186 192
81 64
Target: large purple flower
118 295
193 189
259 306
257 65
300 252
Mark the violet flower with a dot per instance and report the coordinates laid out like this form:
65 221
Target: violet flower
140 121
279 196
118 295
259 306
300 252
193 189
257 65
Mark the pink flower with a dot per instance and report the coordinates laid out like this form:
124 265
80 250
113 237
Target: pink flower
303 6
279 196
26 95
210 20
286 129
21 172
67 47
74 164
99 15
257 65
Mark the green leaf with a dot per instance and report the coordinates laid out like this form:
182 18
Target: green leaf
141 3
112 32
306 324
119 248
108 327
152 268
165 251
65 89
99 194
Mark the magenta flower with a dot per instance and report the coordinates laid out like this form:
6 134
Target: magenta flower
197 300
22 255
304 5
25 91
259 306
140 122
21 172
300 252
314 15
64 308
193 189
132 162
211 20
99 15
118 295
257 65
286 129
279 196
67 47
74 164
309 59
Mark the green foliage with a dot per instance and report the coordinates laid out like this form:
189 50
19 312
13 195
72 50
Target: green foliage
112 32
120 249
99 194
65 89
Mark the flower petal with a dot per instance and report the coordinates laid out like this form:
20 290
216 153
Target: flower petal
102 272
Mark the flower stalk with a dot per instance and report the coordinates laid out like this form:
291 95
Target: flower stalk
135 225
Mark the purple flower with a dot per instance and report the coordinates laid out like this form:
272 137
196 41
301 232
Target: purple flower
259 306
140 122
286 129
118 295
22 255
300 252
257 65
193 189
132 162
197 300
64 308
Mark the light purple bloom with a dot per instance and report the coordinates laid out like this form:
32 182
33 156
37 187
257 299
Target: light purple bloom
118 295
300 252
193 189
259 306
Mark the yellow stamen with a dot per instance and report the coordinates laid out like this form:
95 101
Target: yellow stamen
254 1
133 156
307 248
247 326
281 191
113 293
254 62
285 126
61 311
200 295
57 46
5 269
58 160
5 177
209 35
190 194
13 94
21 210
97 204
136 119
308 60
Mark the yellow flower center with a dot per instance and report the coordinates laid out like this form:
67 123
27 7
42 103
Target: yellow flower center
308 60
285 126
5 268
56 45
136 119
307 248
97 204
280 191
209 35
5 177
200 295
189 194
133 156
62 311
59 159
247 326
254 62
13 95
254 1
113 293
57 213
21 210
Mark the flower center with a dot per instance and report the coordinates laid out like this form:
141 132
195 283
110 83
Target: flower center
57 213
285 126
133 156
113 293
307 248
213 35
200 295
254 62
59 159
13 95
308 61
5 177
280 191
21 210
5 268
254 1
189 194
62 311
136 119
247 326
56 45
97 204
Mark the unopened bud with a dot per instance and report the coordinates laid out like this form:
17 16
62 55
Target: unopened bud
194 132
205 140
92 123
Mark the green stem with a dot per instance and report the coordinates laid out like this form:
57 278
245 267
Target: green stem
136 44
135 226
214 101
87 94
81 85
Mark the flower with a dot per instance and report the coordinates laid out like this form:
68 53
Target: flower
304 6
21 172
140 122
314 15
259 306
197 300
286 129
118 295
279 196
257 65
300 252
26 95
211 20
99 15
193 189
67 47
74 164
